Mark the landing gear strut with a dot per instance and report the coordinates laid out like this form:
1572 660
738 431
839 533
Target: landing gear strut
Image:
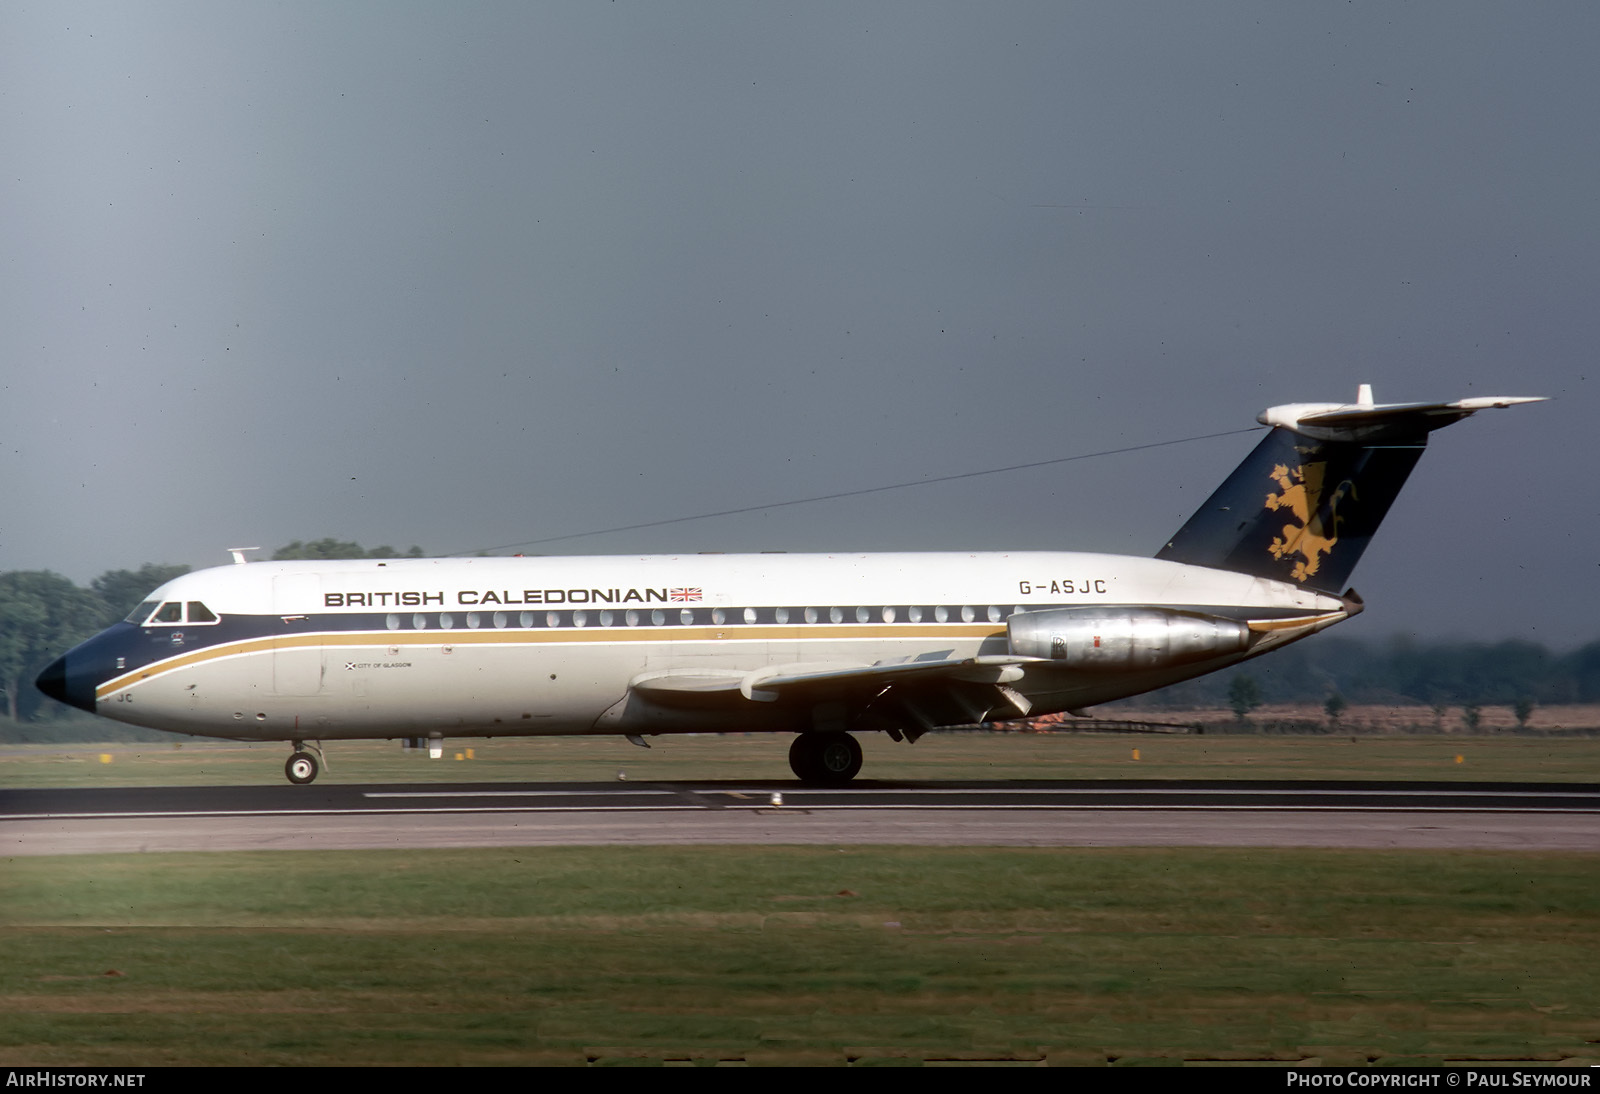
302 767
825 759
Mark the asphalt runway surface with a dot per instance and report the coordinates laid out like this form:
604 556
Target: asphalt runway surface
1438 816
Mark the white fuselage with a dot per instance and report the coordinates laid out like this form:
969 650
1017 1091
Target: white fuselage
532 646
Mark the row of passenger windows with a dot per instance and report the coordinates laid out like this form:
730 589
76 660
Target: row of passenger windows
717 617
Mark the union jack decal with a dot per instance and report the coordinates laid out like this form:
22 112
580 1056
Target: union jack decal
684 595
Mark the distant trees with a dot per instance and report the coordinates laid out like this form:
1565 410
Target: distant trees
121 591
1244 695
1335 707
1404 672
41 615
335 548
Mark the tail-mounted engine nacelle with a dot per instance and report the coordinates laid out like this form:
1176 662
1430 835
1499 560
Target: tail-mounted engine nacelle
1098 638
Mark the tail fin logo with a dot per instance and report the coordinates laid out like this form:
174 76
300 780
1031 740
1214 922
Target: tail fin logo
1302 493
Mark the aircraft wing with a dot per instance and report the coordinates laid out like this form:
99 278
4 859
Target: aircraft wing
936 689
768 684
793 681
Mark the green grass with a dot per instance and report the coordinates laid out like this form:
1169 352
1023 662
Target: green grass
798 955
181 761
772 955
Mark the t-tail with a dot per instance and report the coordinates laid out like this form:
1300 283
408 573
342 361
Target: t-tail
1305 504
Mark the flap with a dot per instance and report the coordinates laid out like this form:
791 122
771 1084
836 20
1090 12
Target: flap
781 681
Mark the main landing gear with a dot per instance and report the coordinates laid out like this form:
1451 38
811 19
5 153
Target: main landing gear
825 759
302 767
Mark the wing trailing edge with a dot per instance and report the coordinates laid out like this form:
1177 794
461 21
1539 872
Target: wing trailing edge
804 680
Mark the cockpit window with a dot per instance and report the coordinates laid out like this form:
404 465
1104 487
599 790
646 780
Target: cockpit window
173 612
142 612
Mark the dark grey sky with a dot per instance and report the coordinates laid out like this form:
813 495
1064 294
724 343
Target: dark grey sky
469 274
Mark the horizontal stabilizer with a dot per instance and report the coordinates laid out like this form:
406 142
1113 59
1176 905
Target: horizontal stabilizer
1368 421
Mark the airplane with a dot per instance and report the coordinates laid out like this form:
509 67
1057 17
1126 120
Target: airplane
821 646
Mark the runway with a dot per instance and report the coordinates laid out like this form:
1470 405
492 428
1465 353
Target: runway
1436 816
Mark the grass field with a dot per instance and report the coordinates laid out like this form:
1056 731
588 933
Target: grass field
765 756
799 955
804 955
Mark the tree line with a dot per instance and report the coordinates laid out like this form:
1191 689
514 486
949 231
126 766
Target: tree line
1399 671
42 614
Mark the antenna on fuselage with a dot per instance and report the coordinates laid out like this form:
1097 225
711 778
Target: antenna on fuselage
238 554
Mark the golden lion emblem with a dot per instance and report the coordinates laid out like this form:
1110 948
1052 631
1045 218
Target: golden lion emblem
1318 530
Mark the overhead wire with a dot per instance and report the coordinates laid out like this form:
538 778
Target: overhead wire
865 490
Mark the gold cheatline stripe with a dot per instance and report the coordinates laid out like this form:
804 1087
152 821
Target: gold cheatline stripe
1260 625
615 634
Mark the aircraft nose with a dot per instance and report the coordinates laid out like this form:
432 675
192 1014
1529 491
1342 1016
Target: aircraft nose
63 684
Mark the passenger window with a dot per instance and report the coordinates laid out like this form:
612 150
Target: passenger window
686 616
863 614
782 615
749 615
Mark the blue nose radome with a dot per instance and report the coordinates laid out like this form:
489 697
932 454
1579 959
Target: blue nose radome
67 680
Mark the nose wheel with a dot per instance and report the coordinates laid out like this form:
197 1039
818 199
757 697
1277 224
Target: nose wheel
825 759
302 767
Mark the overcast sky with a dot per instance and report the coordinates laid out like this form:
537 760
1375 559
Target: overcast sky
475 274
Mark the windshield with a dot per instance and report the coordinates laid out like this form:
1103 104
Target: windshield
172 611
142 612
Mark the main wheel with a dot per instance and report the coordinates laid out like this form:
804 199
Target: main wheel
827 759
801 758
301 768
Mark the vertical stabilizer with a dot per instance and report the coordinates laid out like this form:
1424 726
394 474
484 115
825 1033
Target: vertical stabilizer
1304 505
